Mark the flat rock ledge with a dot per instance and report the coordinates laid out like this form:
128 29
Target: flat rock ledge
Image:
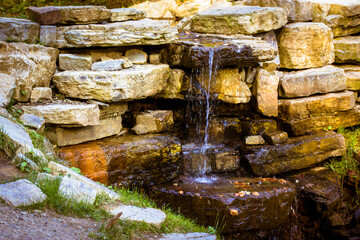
188 236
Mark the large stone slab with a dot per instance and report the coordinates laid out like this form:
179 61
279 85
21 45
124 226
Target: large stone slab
21 193
194 51
31 65
137 214
305 45
242 203
330 121
15 29
54 15
14 136
311 81
347 49
238 19
58 169
64 136
129 33
77 190
7 86
66 113
316 106
352 74
297 153
138 82
266 92
129 160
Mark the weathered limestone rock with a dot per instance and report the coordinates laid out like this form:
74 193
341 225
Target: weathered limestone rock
33 121
31 65
134 160
129 33
239 19
259 126
305 45
325 122
192 7
66 113
21 193
35 154
124 14
41 176
136 56
297 153
74 61
58 169
254 140
352 74
40 93
109 65
266 92
136 214
226 161
311 81
223 129
7 86
64 136
187 236
316 106
47 35
154 122
102 54
157 9
69 14
154 58
243 203
347 49
77 190
343 26
30 165
112 109
175 85
138 82
230 87
14 135
15 29
194 51
276 137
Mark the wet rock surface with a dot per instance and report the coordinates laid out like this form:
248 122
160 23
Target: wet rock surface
237 204
297 153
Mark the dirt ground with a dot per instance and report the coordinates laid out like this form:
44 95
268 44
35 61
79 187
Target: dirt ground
16 224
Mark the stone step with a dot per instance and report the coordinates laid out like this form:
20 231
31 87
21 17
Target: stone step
238 20
194 51
17 29
311 81
128 160
66 113
53 15
347 49
331 121
129 33
297 153
352 74
305 45
316 106
188 236
138 82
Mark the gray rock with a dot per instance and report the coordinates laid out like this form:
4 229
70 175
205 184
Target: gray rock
188 236
69 61
239 19
110 65
136 56
33 121
21 193
58 169
7 86
15 136
41 176
40 93
124 14
77 190
20 158
35 154
16 29
132 213
47 35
